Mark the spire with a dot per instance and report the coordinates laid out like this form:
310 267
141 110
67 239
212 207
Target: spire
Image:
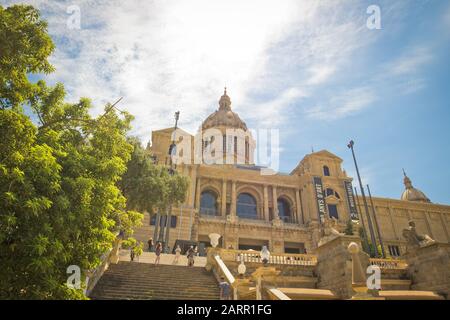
225 101
406 180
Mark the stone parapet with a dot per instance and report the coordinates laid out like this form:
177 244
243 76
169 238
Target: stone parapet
429 268
334 270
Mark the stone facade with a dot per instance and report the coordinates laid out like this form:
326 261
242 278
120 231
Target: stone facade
298 228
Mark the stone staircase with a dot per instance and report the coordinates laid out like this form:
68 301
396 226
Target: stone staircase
144 281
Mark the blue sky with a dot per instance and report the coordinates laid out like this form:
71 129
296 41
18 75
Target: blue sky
311 69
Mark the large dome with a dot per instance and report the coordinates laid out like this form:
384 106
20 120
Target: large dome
224 117
411 193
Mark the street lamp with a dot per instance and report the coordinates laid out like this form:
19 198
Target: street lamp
369 221
172 153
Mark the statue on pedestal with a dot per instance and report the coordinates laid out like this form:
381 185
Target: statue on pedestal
415 240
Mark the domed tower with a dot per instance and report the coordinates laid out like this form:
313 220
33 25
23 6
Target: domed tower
411 193
225 137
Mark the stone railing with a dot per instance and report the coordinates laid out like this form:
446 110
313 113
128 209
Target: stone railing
111 256
275 294
275 258
391 264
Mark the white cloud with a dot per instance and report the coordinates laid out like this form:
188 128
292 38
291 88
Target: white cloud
273 113
344 104
411 62
164 56
320 74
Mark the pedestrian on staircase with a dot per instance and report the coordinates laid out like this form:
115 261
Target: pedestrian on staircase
177 254
150 244
158 250
190 256
132 254
224 289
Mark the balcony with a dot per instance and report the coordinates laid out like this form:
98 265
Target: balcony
210 213
289 220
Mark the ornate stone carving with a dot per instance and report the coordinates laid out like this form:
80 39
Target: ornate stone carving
329 231
415 240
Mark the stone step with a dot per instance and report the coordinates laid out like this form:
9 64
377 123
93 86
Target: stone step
133 280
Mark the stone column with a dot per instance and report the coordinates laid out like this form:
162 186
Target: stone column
391 217
233 199
266 204
224 197
444 225
197 194
299 207
275 203
427 220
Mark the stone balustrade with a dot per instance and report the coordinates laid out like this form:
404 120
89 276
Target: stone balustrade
277 258
391 264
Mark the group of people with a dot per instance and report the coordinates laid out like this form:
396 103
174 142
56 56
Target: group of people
158 249
225 288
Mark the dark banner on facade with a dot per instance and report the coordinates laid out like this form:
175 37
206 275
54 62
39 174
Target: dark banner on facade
351 200
320 196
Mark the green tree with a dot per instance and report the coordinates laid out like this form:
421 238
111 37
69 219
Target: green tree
24 48
349 228
59 200
147 186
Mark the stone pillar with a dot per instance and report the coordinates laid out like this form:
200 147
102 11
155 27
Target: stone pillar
334 265
197 194
444 225
266 204
224 198
275 203
299 207
427 221
233 199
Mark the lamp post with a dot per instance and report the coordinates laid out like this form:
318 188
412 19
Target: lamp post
369 221
383 253
172 153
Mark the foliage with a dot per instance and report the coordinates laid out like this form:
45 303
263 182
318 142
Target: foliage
349 228
25 47
59 200
148 186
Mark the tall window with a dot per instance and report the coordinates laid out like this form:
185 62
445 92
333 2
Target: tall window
326 171
284 210
246 151
163 220
333 211
224 141
208 203
246 206
235 145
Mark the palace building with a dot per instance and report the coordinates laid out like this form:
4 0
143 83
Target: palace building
249 208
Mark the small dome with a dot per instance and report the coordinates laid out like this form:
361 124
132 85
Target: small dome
411 193
224 116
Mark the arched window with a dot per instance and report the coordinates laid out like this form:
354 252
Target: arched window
284 210
331 192
208 203
326 171
246 206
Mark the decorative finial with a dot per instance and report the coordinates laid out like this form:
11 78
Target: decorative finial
225 91
404 173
